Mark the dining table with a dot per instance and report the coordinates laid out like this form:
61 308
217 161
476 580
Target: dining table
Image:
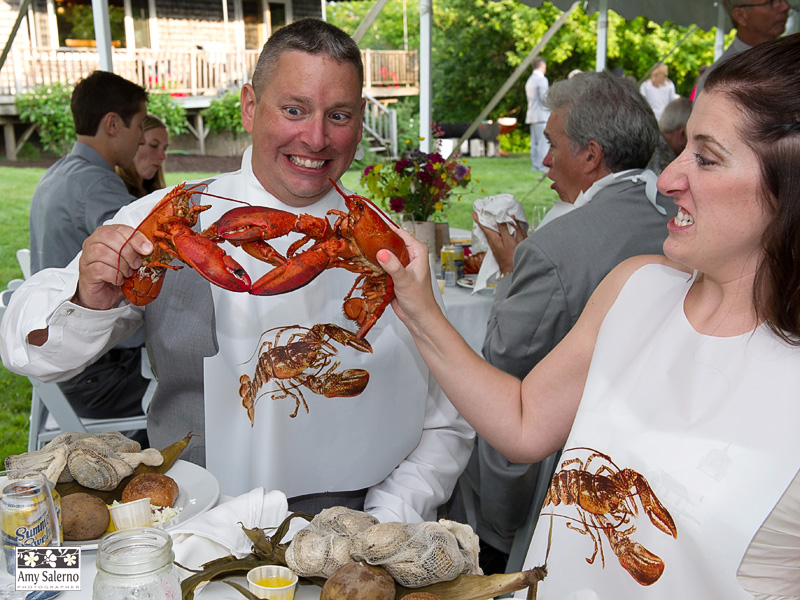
468 312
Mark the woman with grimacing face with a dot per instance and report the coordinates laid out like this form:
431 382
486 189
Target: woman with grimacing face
678 384
146 174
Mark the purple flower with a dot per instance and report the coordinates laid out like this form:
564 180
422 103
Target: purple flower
461 172
368 170
435 158
397 204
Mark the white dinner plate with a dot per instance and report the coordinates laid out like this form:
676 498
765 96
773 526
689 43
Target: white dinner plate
198 492
468 281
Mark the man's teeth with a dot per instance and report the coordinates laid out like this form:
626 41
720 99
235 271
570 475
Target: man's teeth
307 162
682 219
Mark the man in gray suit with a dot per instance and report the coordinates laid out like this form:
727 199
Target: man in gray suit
536 90
602 133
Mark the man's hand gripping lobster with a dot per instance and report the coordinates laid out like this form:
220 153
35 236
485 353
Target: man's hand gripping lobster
352 243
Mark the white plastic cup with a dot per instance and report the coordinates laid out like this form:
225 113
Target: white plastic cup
132 514
258 576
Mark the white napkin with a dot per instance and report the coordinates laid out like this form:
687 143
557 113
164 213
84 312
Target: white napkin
494 210
218 533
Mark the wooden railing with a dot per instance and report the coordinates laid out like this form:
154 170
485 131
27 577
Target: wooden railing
192 72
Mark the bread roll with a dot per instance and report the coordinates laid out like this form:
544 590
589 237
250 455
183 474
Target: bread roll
161 489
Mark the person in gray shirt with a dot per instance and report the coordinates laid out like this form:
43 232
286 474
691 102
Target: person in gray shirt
74 197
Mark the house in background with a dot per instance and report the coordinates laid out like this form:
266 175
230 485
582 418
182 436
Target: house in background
193 49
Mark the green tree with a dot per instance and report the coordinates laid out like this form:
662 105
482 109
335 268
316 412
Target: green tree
47 107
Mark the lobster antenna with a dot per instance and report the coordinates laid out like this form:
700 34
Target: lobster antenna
368 201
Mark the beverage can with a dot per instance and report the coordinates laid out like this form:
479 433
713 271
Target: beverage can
448 259
25 516
458 260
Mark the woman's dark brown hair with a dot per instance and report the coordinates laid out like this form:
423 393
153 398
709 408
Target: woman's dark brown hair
765 83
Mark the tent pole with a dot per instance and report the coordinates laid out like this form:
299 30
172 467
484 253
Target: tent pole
23 8
719 40
368 20
526 62
602 36
102 33
425 87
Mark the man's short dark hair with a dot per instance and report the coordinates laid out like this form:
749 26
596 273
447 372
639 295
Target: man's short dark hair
311 36
101 93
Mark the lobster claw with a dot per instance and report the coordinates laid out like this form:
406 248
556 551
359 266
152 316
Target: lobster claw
210 261
297 272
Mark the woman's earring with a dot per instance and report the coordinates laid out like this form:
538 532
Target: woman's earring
360 152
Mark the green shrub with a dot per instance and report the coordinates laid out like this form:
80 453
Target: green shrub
168 110
48 108
225 115
518 140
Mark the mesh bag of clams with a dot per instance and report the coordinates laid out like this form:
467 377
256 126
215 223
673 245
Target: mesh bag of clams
414 554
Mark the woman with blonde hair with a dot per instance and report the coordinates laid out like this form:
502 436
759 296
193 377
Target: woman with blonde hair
146 174
658 90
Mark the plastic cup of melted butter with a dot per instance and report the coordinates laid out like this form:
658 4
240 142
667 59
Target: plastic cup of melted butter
132 514
272 582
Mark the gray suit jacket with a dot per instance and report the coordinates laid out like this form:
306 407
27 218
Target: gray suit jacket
556 269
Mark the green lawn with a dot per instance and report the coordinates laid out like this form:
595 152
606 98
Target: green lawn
491 176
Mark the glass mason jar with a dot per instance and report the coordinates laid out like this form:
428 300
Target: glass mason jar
136 563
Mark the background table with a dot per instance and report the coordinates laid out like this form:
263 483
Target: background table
468 313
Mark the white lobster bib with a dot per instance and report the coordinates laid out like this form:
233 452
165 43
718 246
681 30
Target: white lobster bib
701 428
332 444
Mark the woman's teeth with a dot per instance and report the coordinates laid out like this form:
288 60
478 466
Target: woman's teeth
307 162
682 219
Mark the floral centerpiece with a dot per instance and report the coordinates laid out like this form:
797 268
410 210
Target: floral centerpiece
420 184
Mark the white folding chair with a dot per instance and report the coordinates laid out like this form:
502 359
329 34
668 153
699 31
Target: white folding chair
24 259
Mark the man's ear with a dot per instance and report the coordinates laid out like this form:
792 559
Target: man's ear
593 158
739 17
248 102
110 124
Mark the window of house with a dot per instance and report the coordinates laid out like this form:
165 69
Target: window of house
75 23
140 12
254 31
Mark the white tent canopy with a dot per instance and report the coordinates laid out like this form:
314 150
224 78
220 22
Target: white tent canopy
703 13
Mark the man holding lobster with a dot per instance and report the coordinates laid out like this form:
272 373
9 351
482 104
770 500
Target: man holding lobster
330 417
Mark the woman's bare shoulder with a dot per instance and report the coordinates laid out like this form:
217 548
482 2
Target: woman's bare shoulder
606 293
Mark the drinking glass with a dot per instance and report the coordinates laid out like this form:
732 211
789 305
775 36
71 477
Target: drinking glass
406 221
18 503
537 214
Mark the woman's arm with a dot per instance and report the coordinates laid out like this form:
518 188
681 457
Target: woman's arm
525 420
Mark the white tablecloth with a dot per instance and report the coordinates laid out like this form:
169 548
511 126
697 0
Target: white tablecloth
468 313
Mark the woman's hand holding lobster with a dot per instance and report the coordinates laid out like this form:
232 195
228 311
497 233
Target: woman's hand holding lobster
412 284
105 261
